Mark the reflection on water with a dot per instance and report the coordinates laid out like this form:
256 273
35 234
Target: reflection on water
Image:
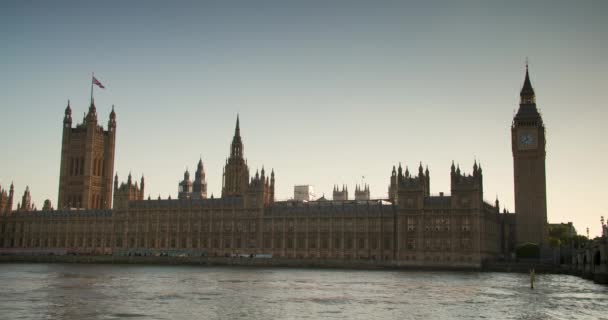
63 291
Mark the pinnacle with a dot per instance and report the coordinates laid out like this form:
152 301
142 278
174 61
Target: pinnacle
237 130
527 87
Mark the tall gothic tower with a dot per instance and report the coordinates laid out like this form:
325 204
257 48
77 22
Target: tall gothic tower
87 162
199 187
528 144
236 172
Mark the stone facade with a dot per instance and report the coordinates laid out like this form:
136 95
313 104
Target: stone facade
413 228
418 230
48 231
128 191
26 201
87 162
362 192
236 171
340 195
528 144
410 227
6 200
193 190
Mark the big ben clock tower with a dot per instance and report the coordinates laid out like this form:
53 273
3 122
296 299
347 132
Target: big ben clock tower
528 143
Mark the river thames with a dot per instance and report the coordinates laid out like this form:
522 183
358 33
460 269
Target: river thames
82 291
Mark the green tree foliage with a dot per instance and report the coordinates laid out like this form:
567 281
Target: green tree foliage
563 234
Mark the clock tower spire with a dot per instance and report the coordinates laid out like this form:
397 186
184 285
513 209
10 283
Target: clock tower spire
528 145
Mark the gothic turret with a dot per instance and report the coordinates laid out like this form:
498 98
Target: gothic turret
260 191
199 187
92 114
467 189
272 186
6 200
236 172
362 192
236 148
26 201
409 191
112 120
127 192
185 187
340 195
67 119
11 196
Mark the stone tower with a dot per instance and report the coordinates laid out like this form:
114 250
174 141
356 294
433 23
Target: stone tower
340 195
6 200
127 192
362 192
528 144
26 201
199 187
185 187
87 162
236 172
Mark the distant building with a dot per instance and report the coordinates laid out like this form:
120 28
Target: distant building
185 187
26 201
6 200
362 193
199 187
303 193
48 206
340 195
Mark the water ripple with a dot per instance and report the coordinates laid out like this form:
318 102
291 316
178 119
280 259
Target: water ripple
64 291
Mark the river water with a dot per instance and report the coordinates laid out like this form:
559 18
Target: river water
88 291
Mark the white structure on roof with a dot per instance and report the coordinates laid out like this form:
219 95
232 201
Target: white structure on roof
303 193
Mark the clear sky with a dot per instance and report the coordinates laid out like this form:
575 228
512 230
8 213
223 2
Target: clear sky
328 92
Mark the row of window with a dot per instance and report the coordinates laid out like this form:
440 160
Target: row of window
77 166
241 243
75 201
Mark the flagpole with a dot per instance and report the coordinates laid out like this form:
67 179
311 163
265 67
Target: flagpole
92 76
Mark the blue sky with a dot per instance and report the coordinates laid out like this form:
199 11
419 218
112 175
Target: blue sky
327 91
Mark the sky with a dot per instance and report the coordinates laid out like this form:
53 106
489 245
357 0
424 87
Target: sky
328 92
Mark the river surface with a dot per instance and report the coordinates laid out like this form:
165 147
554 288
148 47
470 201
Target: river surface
88 291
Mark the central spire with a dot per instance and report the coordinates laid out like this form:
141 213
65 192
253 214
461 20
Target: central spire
236 172
237 130
236 148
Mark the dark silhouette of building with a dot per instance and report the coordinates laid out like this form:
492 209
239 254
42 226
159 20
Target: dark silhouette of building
528 144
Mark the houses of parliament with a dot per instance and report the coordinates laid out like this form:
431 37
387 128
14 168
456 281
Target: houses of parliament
98 214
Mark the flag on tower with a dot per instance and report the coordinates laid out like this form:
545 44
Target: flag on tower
97 83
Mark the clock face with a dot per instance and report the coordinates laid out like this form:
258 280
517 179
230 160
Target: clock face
527 140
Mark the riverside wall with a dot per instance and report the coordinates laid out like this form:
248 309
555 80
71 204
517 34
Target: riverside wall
232 261
519 267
